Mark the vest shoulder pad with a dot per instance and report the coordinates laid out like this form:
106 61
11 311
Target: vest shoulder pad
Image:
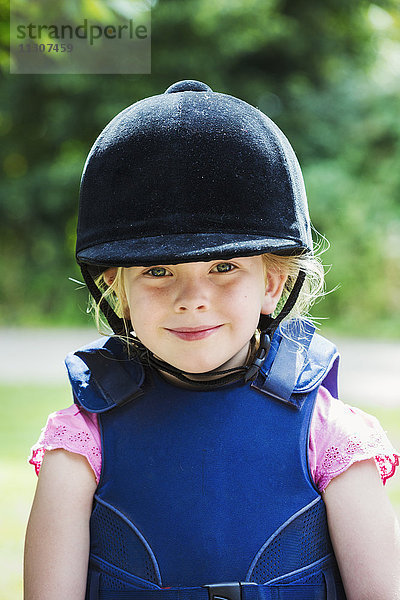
103 375
298 362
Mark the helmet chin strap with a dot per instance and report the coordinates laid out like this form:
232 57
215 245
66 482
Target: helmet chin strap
210 379
268 325
202 381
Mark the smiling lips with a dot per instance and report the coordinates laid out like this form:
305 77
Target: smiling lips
191 334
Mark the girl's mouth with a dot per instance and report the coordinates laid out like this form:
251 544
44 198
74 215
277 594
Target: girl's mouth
194 333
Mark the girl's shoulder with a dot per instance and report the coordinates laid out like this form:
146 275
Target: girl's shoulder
342 435
72 429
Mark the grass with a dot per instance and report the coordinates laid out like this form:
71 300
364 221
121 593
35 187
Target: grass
23 412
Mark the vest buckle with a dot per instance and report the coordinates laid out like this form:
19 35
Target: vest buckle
227 591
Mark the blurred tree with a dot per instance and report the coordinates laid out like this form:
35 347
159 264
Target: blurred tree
320 70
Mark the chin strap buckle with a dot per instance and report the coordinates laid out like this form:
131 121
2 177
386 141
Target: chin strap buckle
263 349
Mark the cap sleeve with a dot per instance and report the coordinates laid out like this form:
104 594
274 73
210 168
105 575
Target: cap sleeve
342 435
72 429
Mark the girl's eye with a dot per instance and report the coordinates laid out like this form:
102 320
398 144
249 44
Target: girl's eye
157 272
224 267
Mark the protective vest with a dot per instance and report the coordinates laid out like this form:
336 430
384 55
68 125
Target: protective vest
207 495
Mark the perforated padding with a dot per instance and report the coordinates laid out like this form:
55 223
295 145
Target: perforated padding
113 540
302 542
112 583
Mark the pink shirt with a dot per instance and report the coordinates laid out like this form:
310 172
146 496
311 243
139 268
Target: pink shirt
340 435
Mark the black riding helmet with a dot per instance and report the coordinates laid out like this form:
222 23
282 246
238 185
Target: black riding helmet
190 175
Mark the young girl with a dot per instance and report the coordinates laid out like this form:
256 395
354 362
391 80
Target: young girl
206 455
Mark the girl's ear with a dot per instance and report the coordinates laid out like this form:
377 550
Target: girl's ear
110 275
273 291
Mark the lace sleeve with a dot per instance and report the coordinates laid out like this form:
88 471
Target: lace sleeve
71 429
342 435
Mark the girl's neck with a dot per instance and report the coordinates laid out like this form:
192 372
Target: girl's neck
245 357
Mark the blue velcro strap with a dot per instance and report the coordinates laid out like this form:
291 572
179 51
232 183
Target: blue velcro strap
298 361
285 361
285 369
247 592
321 366
330 584
103 376
93 585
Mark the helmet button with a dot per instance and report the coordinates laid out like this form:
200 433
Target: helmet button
188 85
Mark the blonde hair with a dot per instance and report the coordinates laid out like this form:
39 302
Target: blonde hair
289 266
113 293
312 288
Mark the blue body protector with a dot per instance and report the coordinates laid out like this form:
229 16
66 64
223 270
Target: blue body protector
208 487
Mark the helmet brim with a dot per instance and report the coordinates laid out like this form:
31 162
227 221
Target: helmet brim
182 248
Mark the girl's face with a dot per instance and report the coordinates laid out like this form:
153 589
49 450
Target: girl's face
201 316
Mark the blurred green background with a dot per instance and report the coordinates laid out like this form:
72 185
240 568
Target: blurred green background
328 73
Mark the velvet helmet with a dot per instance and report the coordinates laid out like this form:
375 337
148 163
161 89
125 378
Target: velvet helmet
189 175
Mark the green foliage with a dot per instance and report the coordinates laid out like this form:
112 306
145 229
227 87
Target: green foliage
325 72
353 193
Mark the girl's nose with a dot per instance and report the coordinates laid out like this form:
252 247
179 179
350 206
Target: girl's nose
191 295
